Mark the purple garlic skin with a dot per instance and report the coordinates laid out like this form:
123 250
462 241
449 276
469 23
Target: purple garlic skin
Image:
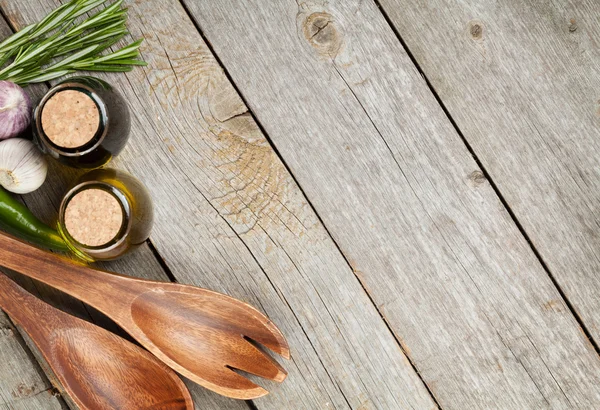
15 110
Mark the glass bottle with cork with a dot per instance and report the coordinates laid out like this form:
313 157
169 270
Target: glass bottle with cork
82 122
105 214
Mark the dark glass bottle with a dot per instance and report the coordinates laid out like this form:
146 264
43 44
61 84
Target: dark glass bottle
82 122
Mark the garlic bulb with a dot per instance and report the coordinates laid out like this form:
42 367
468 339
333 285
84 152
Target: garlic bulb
23 168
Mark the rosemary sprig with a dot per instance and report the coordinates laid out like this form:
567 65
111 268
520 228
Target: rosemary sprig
65 41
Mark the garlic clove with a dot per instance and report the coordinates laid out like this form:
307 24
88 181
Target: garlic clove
23 168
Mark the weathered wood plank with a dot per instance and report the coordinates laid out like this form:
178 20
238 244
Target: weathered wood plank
523 89
22 382
406 202
230 217
44 203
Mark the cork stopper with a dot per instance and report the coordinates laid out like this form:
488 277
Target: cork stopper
70 119
93 217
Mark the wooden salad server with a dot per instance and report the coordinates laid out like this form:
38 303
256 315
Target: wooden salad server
97 369
201 334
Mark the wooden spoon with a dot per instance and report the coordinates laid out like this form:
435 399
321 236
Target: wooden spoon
199 333
97 369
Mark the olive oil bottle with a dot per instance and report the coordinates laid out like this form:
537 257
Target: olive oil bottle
105 214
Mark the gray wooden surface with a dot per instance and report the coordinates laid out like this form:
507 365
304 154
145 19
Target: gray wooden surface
229 217
406 202
524 90
391 219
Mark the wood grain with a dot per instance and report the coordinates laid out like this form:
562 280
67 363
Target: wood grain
23 385
405 201
523 89
230 218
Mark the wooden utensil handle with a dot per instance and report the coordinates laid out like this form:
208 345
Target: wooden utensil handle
10 296
20 305
82 282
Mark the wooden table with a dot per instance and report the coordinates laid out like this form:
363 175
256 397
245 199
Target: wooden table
409 189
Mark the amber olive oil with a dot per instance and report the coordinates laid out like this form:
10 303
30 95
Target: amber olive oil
105 214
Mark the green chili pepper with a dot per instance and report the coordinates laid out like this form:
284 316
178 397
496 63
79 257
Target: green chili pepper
17 220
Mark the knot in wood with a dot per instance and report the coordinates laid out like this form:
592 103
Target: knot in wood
23 391
476 30
6 331
477 177
321 32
